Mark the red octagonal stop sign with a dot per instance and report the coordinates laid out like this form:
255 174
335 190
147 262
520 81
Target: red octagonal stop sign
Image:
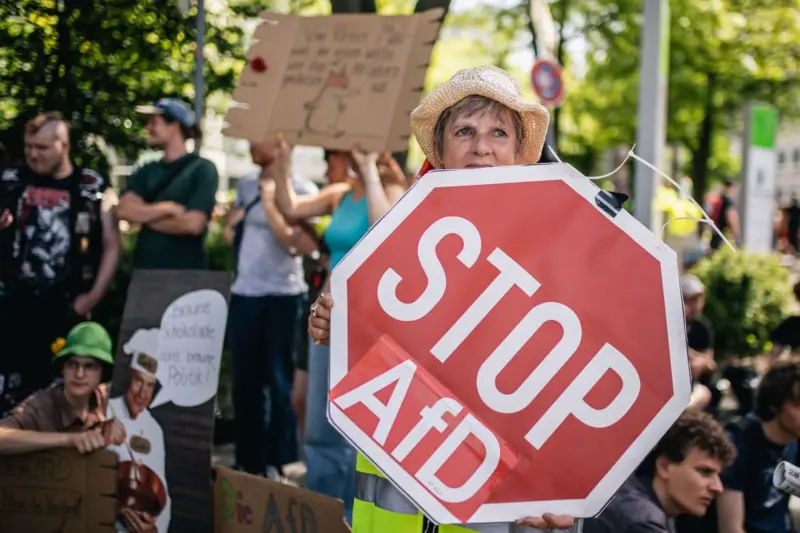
505 343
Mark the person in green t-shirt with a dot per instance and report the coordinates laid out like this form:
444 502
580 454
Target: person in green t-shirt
172 198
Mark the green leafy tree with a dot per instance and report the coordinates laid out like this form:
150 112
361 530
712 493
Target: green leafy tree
748 296
94 61
723 53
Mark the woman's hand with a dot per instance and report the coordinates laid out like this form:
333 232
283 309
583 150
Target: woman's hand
548 521
319 321
282 156
366 163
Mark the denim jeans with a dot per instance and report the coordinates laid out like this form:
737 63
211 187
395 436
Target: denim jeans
262 336
330 460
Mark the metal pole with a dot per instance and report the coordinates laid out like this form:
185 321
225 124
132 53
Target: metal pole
653 70
199 79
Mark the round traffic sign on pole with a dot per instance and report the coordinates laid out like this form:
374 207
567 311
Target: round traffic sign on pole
547 82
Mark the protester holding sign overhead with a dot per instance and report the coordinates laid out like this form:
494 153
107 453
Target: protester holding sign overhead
267 304
354 205
477 119
172 198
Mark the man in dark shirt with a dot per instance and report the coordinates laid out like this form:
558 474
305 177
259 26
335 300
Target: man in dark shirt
680 476
700 338
724 215
172 198
787 334
750 502
59 249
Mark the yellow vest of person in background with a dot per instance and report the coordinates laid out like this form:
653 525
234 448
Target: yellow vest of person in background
676 208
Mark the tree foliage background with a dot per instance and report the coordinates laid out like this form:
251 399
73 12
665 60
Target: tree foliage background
94 61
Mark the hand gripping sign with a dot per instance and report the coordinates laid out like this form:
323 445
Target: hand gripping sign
506 342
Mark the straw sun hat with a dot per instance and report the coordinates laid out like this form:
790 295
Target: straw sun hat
492 83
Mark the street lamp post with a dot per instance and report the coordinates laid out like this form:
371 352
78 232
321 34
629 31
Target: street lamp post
199 58
651 116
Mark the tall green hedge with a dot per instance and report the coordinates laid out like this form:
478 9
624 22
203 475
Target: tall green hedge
747 297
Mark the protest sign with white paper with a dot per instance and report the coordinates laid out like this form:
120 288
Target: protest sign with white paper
165 382
190 349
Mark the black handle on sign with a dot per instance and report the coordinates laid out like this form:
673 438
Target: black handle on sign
610 202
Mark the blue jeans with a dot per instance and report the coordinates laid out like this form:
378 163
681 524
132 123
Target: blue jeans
262 336
330 459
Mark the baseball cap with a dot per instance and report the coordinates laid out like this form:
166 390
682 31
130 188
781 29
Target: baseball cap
691 286
172 108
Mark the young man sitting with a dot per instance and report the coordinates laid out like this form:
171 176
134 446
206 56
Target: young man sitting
70 414
680 476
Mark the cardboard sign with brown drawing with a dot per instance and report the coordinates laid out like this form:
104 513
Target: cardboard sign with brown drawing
58 491
334 81
246 503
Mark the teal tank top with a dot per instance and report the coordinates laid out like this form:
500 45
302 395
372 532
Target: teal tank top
349 222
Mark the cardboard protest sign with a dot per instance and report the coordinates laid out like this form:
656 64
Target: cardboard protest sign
165 380
498 347
246 503
334 81
58 491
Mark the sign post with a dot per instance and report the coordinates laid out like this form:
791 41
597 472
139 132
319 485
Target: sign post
758 176
650 137
466 361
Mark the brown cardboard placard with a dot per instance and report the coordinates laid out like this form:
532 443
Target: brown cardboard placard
172 330
246 503
334 81
58 491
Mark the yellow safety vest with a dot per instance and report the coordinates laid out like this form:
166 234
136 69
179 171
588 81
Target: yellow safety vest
380 507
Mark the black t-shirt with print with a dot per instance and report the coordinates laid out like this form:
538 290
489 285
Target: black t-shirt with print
45 228
44 223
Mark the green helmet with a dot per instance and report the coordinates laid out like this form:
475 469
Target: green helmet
87 339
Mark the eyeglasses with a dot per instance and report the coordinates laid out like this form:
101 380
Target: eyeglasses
76 366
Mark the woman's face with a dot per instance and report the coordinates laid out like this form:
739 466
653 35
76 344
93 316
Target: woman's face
483 139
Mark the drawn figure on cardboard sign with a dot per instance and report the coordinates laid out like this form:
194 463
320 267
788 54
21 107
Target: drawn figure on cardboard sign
144 500
326 109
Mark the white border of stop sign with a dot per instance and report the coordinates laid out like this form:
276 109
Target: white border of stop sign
412 485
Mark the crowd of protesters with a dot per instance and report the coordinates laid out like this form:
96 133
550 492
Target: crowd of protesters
61 245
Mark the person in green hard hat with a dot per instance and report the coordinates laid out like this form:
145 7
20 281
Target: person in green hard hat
71 413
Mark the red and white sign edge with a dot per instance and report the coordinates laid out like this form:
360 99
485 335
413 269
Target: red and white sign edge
676 334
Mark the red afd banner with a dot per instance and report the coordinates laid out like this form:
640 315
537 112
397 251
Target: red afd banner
507 342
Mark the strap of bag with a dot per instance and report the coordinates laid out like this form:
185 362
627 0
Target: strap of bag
164 185
252 204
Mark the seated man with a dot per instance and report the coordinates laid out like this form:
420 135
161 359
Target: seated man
70 414
680 476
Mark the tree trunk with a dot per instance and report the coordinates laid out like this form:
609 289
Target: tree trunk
702 154
422 5
63 102
353 6
560 57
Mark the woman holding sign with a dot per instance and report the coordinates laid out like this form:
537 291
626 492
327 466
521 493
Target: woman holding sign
477 119
371 187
